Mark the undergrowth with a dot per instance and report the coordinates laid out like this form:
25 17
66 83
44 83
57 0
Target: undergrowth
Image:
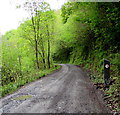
34 75
112 93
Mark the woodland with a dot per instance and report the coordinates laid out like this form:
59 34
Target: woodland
80 33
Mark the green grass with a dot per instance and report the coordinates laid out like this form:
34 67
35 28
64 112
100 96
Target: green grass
34 75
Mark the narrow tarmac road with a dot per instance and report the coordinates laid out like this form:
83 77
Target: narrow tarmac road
68 90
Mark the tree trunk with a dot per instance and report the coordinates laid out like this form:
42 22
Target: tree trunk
36 43
48 52
36 54
48 47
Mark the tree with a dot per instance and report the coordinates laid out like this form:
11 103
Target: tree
36 8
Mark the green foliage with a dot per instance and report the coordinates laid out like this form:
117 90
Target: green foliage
82 33
93 29
66 11
29 77
90 34
26 51
62 52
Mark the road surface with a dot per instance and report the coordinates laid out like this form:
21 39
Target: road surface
68 90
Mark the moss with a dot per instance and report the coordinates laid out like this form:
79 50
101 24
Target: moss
23 97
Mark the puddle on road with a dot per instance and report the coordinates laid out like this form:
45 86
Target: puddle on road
22 97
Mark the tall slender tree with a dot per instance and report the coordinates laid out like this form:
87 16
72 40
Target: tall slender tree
35 8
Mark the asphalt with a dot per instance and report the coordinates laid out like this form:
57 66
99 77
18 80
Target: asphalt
68 90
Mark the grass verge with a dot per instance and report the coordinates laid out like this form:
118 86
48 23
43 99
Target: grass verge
21 81
112 93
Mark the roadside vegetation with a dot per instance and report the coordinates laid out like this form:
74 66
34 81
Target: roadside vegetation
88 34
79 33
26 51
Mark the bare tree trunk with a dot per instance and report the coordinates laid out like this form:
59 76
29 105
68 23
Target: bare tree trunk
36 43
43 57
48 52
48 58
36 54
43 53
